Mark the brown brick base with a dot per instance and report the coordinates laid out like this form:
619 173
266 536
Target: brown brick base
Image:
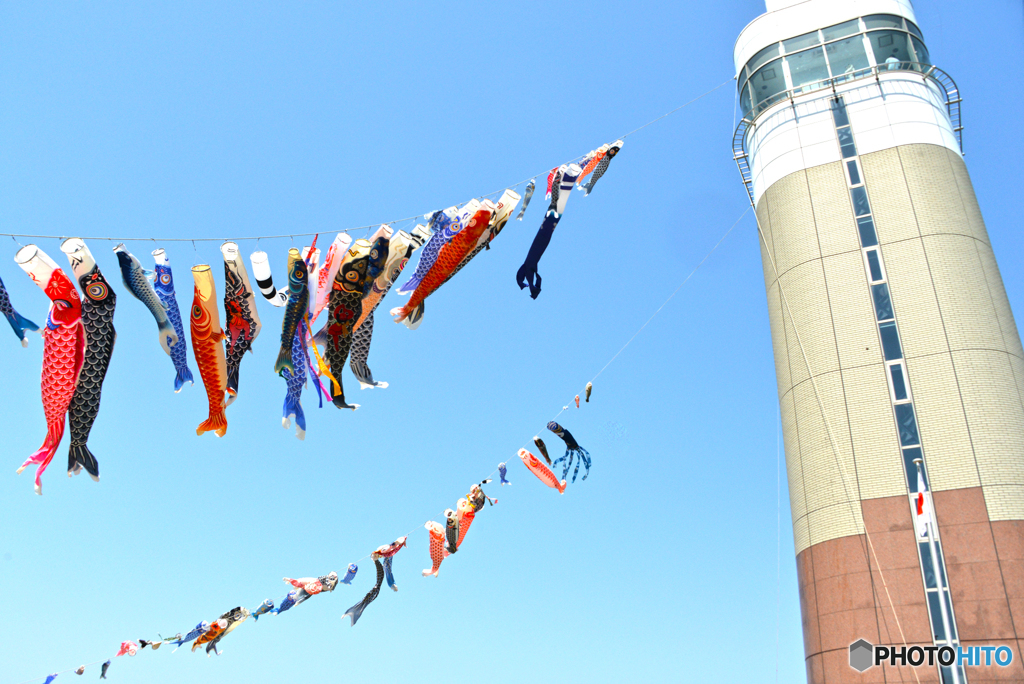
844 596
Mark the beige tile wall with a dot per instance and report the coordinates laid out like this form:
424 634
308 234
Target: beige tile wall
963 353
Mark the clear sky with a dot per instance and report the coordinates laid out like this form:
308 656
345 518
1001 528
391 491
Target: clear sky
182 120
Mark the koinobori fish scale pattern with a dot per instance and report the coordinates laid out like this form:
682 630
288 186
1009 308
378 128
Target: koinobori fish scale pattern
357 610
527 196
164 286
295 382
500 216
437 547
400 249
208 347
63 351
136 282
543 473
602 167
242 324
295 308
345 306
98 321
447 260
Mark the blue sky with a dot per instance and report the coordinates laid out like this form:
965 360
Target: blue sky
192 120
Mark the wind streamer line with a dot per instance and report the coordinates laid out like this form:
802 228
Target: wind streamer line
14 236
348 230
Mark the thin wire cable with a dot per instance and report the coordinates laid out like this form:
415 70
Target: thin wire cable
494 472
701 96
95 662
778 532
14 237
831 436
357 228
658 310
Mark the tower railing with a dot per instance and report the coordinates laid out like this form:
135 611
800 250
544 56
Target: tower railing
927 72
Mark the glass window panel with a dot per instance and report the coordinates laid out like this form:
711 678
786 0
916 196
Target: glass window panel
883 303
860 201
952 622
913 29
906 422
761 57
938 629
866 226
947 674
909 454
847 56
839 113
891 347
890 48
874 265
800 42
926 564
922 52
767 82
745 103
847 28
807 67
846 145
883 21
851 168
899 383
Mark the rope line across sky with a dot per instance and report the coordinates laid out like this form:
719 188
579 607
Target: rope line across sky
397 221
368 227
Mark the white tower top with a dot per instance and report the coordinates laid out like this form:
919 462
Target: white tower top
788 18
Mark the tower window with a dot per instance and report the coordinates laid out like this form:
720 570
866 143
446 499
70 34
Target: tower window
851 168
929 571
891 348
847 28
860 201
800 42
922 51
875 21
907 424
899 384
808 67
938 630
839 112
890 48
866 226
883 304
847 56
846 142
874 265
763 56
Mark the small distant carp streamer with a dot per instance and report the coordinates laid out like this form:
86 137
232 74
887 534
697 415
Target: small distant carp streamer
543 473
572 448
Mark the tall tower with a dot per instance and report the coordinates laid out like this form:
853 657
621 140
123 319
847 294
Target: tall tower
900 369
